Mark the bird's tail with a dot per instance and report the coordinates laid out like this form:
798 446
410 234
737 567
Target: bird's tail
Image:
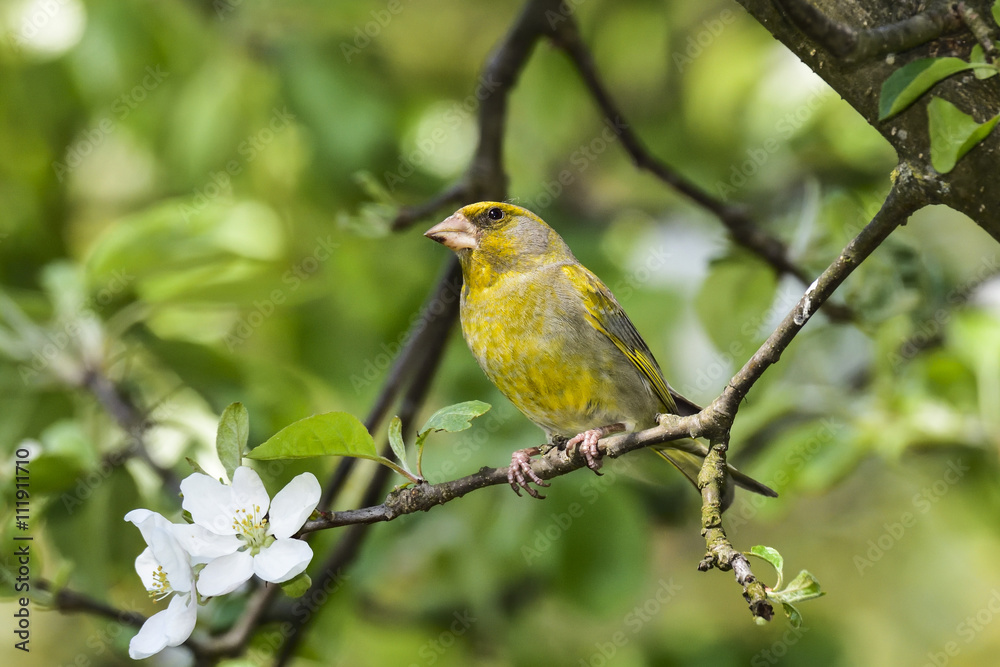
687 456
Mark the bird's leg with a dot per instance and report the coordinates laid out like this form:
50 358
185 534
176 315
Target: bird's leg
520 474
587 442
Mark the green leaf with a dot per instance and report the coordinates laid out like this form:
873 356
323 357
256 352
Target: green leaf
909 82
953 133
231 437
396 440
793 614
772 556
327 434
297 586
801 588
978 57
453 418
996 11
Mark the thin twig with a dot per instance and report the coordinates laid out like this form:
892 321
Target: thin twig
720 552
129 419
566 35
67 600
408 215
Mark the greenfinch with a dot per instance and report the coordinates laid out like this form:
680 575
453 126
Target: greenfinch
555 341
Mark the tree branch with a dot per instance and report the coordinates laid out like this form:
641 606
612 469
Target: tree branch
852 45
714 422
720 552
744 231
131 420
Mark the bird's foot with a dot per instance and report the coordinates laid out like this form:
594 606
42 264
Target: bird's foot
586 444
520 474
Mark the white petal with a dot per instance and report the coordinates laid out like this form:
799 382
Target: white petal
145 566
184 615
249 492
226 574
169 627
210 503
282 560
146 521
203 544
173 558
293 505
137 516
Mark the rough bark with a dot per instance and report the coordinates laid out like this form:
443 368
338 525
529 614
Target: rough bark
967 187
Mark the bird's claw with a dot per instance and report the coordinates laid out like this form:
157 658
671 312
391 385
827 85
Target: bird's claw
520 474
586 445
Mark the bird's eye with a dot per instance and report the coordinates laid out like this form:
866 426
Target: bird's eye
495 213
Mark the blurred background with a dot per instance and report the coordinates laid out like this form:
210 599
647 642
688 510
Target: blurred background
195 201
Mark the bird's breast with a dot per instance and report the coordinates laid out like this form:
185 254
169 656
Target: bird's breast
533 342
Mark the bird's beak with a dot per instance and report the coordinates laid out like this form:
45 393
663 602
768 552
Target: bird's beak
455 232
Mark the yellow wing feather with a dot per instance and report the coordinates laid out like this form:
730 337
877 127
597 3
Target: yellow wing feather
606 315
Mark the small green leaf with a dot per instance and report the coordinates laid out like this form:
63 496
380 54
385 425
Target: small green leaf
396 440
953 133
912 80
297 586
231 437
978 57
772 556
327 434
996 11
801 588
194 465
793 614
453 418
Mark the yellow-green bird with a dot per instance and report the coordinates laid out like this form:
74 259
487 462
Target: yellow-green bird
555 341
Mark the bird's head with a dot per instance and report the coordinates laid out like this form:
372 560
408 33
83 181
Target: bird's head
499 236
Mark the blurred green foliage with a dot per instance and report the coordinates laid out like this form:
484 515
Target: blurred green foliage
194 202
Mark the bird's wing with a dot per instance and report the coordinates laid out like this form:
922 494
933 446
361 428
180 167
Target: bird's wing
605 314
